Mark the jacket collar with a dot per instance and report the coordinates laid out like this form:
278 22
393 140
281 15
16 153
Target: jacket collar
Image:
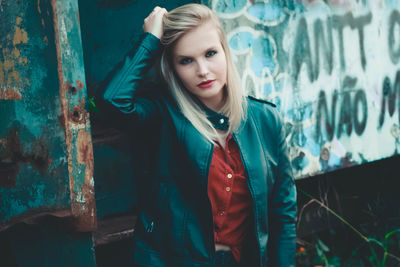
219 121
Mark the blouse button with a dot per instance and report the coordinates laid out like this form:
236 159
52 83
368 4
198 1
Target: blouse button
229 175
228 189
221 121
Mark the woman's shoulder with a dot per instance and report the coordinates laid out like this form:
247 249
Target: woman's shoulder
263 110
261 105
262 101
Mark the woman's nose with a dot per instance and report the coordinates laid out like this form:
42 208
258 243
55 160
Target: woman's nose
202 68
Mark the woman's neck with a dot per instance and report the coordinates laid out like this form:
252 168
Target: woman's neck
221 138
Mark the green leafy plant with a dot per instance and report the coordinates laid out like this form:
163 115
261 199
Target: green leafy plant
92 105
372 243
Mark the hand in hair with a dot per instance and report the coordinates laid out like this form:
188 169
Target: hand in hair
154 22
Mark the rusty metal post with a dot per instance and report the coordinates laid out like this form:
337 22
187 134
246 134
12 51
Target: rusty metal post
73 98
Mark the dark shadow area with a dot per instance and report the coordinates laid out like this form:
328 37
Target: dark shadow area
368 198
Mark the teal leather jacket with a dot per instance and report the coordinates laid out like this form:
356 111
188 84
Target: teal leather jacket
175 225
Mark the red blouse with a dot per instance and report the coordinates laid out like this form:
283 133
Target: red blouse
230 197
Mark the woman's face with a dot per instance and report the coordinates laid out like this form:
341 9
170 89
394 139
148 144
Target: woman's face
200 62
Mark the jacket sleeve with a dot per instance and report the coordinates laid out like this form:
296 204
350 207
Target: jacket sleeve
283 208
122 89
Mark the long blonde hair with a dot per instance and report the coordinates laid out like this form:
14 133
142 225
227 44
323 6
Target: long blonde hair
178 22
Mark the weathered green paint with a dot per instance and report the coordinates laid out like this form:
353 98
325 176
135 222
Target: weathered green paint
46 158
33 163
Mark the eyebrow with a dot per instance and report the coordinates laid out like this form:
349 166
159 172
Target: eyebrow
206 50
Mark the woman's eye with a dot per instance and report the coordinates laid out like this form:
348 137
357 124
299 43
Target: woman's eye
211 53
185 61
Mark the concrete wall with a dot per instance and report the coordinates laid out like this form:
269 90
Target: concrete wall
332 68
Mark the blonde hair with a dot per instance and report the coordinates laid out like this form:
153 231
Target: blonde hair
178 22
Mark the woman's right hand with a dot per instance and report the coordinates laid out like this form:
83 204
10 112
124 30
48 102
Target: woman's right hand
154 22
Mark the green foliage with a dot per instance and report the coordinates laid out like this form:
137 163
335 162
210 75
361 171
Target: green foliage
92 105
378 250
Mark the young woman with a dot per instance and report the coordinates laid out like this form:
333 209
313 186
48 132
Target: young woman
218 189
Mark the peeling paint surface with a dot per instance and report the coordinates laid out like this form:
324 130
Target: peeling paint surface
331 67
72 90
38 149
33 166
10 93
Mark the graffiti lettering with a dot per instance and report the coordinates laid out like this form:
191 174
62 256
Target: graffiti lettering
302 51
302 48
360 99
394 52
340 22
351 109
325 65
322 113
326 44
389 95
345 122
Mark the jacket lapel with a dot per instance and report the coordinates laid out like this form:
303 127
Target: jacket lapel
253 157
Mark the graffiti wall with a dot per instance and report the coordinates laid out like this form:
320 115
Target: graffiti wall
331 67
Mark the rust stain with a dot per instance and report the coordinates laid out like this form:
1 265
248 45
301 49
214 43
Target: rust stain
40 158
23 60
76 115
85 213
16 52
14 76
9 168
9 93
61 120
79 113
38 6
12 155
9 74
20 36
1 73
80 85
8 65
85 151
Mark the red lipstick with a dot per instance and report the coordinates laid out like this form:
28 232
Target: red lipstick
206 84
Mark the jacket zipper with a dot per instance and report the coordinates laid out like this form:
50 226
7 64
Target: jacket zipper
252 196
